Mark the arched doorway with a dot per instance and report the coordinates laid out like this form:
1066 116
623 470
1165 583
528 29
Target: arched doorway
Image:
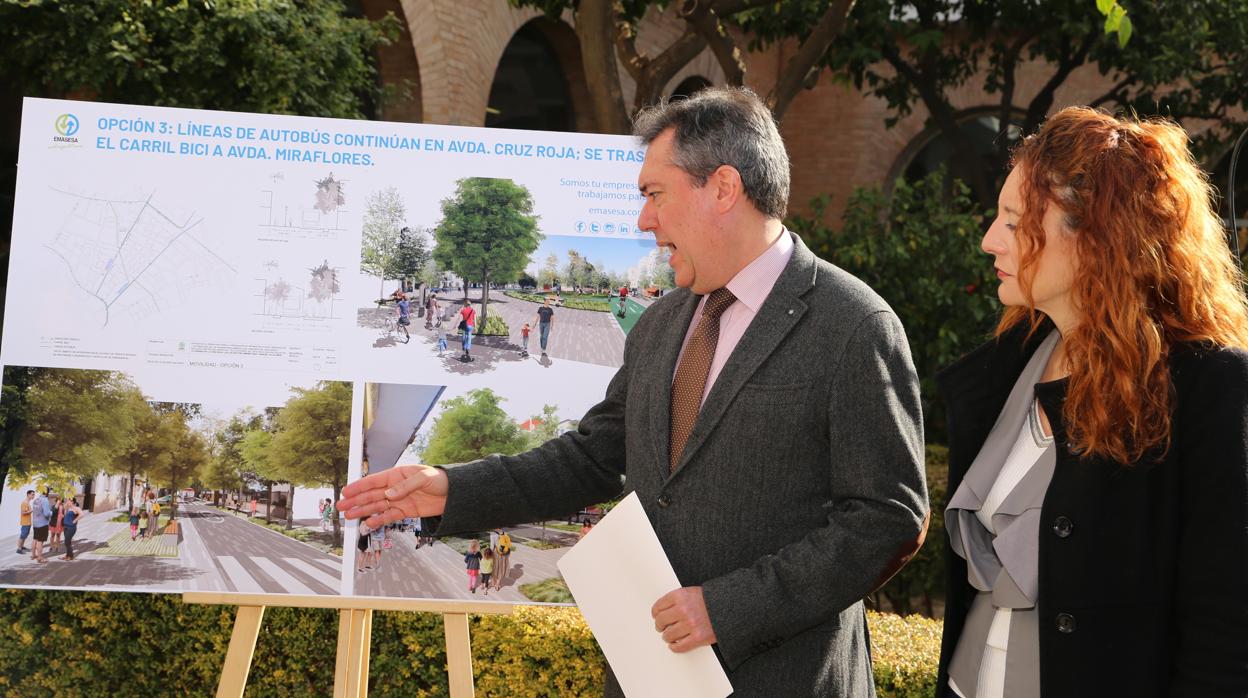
530 90
1221 184
932 150
688 87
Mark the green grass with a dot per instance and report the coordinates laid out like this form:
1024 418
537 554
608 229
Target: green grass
553 590
299 534
595 303
570 528
460 545
544 544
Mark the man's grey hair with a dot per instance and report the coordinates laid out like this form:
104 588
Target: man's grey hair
724 126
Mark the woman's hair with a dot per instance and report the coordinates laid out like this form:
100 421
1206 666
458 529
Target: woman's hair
1152 270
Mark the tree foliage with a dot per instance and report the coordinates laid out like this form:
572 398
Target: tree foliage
1184 60
185 452
579 272
14 411
411 255
76 423
280 57
470 427
311 434
920 251
549 273
384 216
150 446
69 425
225 470
547 426
487 232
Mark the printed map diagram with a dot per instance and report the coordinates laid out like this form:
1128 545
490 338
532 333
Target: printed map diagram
310 296
302 209
134 257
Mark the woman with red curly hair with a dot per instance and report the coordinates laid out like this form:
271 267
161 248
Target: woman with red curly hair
1098 447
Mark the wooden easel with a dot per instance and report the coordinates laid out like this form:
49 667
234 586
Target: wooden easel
355 620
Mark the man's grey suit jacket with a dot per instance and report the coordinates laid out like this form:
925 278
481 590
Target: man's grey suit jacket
802 478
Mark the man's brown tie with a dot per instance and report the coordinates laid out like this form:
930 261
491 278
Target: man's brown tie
695 365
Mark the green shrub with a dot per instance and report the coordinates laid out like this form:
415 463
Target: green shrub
553 590
919 249
494 326
139 644
906 653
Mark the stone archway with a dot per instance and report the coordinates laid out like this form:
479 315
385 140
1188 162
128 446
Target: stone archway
397 67
535 81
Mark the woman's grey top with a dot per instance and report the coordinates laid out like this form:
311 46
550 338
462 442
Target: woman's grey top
1002 558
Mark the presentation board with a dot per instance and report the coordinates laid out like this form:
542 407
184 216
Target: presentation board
230 316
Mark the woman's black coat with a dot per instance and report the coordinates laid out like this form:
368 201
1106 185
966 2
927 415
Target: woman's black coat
1143 576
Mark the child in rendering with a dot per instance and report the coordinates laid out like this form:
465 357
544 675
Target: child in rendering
487 568
441 336
524 339
472 561
134 523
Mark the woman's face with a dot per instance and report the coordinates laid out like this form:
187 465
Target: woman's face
1053 272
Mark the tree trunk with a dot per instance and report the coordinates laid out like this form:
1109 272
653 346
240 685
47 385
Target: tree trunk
485 299
173 495
130 491
803 68
268 507
290 507
595 29
381 294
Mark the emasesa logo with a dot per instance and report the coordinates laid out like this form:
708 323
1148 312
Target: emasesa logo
66 126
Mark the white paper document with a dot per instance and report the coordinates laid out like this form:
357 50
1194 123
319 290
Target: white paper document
616 573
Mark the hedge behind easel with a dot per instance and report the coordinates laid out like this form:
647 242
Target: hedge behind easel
72 643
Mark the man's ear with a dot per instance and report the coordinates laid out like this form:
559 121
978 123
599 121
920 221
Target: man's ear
728 187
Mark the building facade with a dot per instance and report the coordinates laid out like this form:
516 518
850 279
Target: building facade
486 63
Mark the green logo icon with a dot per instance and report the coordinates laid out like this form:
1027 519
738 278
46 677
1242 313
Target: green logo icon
66 124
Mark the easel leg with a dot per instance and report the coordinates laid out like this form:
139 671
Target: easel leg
365 649
242 647
351 668
344 652
458 654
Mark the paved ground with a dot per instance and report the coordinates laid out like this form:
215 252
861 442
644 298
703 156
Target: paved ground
586 336
438 572
251 558
216 551
95 567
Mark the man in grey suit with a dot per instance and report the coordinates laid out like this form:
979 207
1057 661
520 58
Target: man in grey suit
766 414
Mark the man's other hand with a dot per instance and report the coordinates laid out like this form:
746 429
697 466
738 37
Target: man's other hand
402 492
682 619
